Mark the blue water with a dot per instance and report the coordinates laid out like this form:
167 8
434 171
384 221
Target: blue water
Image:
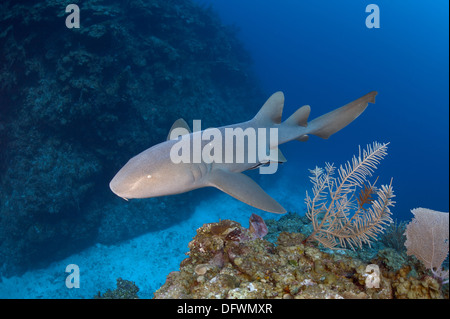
319 53
322 54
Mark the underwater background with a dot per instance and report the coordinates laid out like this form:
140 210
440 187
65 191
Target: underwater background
323 55
76 104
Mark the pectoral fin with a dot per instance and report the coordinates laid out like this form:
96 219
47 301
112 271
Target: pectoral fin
243 188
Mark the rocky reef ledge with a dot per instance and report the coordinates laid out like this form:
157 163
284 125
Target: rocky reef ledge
76 104
227 260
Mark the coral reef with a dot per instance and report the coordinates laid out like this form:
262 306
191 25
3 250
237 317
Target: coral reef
289 222
339 217
76 103
394 236
125 290
392 259
226 261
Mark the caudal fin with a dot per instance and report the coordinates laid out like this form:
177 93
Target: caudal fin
329 123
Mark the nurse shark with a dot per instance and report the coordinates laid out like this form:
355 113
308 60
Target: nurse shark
158 171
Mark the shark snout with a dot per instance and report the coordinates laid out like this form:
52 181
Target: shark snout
118 187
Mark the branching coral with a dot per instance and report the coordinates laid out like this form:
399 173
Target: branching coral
339 217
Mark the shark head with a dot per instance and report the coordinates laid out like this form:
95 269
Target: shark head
148 174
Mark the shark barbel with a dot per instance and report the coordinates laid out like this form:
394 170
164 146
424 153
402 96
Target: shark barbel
153 172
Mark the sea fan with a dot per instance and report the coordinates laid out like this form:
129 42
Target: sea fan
427 239
339 217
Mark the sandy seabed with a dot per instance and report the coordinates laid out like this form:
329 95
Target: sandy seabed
147 259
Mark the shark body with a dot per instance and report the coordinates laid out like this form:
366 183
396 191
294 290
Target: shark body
153 172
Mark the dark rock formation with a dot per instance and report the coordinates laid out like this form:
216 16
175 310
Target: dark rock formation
76 104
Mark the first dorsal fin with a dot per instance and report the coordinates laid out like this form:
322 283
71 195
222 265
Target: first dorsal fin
181 128
271 111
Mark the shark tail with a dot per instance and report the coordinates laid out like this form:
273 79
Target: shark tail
296 127
329 123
